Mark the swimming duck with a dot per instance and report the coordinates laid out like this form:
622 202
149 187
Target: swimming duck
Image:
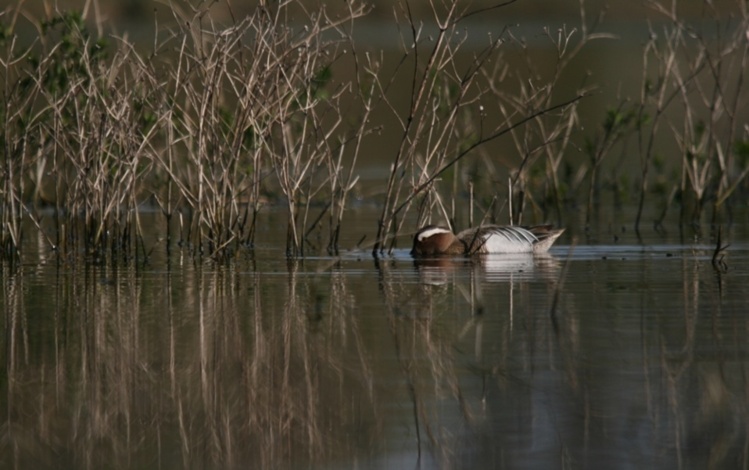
435 240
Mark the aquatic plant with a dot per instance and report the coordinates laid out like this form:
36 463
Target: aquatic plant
214 122
692 83
446 118
197 126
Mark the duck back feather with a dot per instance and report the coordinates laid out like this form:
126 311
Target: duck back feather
509 239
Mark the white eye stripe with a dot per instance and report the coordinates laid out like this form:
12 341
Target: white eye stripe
431 232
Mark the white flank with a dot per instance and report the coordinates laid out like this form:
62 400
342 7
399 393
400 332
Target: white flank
432 231
509 240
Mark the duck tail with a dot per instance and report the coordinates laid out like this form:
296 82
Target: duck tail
546 235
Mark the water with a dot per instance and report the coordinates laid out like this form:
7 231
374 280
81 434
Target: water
599 355
611 352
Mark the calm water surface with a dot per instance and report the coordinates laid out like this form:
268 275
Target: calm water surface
609 354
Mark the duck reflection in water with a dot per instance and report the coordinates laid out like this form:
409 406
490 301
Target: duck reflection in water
492 268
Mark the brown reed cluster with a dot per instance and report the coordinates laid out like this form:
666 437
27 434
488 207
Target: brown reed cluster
213 123
195 128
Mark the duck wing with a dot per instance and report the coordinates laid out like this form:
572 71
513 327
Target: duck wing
499 239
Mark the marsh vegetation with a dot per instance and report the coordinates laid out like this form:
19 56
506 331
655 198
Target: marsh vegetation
213 122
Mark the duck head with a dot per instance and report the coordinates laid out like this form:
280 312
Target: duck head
434 240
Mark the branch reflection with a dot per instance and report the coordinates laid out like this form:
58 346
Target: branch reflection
446 363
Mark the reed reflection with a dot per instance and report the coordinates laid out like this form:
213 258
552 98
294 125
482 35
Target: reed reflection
495 378
450 363
216 368
703 381
455 334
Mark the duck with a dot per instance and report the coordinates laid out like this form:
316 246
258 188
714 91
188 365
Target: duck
434 240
